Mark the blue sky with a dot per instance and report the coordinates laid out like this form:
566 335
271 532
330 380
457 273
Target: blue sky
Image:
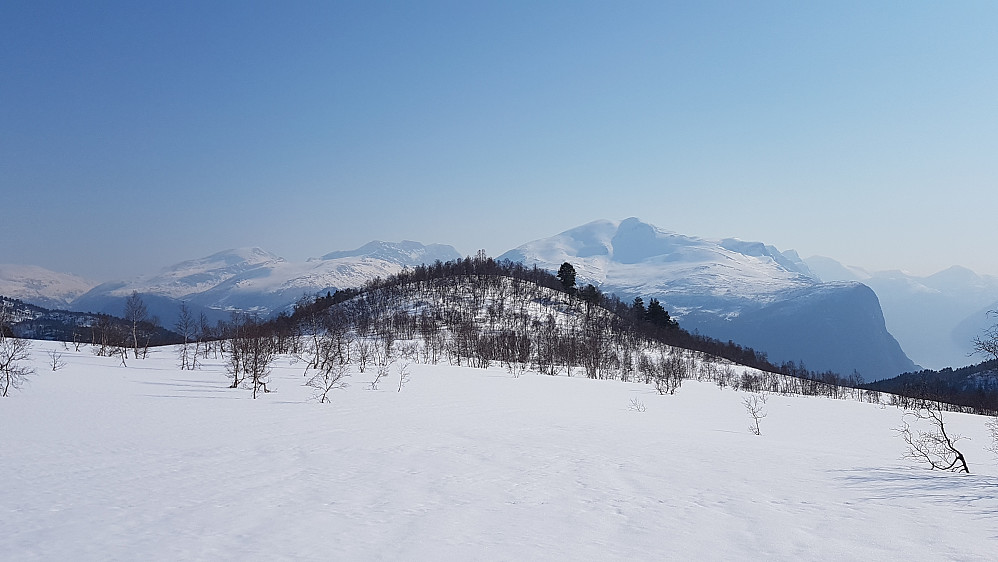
135 135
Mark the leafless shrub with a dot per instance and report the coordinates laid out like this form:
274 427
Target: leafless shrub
331 377
988 343
251 352
669 373
13 371
363 355
409 351
646 366
724 376
992 425
935 447
55 360
382 353
382 372
626 366
403 372
707 371
636 405
755 406
187 351
425 353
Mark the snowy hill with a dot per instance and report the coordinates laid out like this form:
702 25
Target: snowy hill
465 464
731 289
934 317
41 286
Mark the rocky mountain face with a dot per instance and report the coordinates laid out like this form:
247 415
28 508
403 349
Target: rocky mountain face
936 317
748 292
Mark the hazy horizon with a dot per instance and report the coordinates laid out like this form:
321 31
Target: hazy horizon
137 136
156 268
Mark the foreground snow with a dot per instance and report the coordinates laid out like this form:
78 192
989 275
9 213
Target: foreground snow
147 462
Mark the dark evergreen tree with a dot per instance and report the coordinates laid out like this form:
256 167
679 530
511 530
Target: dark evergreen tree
639 308
590 294
566 273
659 316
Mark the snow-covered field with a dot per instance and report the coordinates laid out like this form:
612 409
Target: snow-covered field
103 462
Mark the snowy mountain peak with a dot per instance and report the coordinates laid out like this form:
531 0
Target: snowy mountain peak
239 258
957 275
637 241
34 284
187 278
404 253
789 259
749 292
829 269
639 258
255 280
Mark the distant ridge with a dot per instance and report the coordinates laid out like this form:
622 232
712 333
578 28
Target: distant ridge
707 284
254 280
936 316
405 253
46 288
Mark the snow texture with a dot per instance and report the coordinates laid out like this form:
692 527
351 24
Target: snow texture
103 462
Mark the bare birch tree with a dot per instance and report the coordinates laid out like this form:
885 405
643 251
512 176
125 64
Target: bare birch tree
13 356
187 328
755 405
135 313
935 447
987 344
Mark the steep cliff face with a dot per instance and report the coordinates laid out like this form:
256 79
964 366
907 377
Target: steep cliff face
935 317
832 326
749 292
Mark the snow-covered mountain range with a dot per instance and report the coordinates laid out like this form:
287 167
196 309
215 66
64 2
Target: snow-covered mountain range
747 292
815 310
40 286
935 317
251 279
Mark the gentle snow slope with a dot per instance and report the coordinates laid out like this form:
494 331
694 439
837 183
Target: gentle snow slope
104 462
